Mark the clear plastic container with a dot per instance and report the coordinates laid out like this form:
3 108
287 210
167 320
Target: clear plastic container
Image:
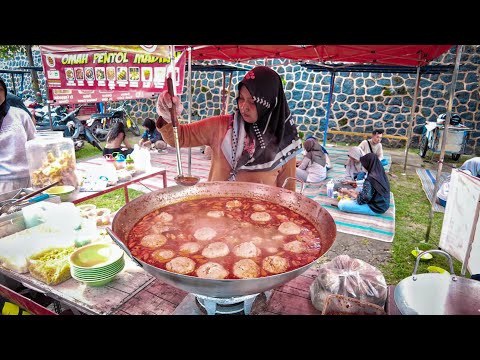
51 158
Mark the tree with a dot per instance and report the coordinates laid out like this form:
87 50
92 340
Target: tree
9 51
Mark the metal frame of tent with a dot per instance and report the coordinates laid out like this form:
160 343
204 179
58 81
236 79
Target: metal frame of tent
417 56
12 78
335 68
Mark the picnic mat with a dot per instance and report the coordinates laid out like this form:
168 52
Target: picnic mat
427 177
380 227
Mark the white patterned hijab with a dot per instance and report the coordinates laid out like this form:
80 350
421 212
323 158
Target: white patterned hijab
273 139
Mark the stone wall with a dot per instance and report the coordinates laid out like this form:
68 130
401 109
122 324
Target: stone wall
361 102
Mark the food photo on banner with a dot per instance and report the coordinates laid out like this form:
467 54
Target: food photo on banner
98 73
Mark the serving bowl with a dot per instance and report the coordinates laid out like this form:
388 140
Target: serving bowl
63 191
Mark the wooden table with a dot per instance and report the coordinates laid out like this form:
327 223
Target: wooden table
94 165
85 299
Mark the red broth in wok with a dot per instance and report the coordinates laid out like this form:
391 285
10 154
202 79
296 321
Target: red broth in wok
225 238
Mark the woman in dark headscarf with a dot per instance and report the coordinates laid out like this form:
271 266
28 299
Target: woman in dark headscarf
258 143
375 196
16 128
312 168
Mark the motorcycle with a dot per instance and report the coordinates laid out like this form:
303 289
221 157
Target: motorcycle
78 131
101 123
458 135
58 115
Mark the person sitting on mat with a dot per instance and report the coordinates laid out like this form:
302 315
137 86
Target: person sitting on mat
374 145
312 167
374 198
117 141
328 163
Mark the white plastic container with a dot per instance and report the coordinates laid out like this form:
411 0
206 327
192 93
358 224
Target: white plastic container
330 186
359 187
50 159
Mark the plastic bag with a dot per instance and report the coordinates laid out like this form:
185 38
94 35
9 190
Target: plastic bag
141 158
442 193
349 277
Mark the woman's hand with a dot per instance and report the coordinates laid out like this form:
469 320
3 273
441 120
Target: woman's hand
164 103
351 193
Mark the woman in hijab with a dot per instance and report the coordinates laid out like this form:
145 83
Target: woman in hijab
312 168
16 128
374 198
353 167
328 163
258 143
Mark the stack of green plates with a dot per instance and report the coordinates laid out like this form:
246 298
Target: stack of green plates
96 264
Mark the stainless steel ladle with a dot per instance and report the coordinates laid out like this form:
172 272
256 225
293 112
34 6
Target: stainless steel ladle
180 179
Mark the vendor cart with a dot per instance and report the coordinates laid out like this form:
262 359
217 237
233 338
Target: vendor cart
432 139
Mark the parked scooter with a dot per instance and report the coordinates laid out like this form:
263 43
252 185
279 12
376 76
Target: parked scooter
78 131
458 135
100 123
58 115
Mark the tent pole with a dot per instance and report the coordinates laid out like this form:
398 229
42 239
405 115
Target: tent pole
325 130
228 94
189 93
222 98
13 84
412 117
444 137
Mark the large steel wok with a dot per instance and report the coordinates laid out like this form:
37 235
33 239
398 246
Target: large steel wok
437 294
132 212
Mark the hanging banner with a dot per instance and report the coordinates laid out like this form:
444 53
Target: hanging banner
97 73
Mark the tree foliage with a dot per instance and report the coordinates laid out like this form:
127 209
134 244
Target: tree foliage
8 51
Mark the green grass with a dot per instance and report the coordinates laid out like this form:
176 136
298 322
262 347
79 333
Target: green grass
412 218
87 151
113 200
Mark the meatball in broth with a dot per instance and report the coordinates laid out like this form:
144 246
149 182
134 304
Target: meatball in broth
181 265
246 269
246 250
212 270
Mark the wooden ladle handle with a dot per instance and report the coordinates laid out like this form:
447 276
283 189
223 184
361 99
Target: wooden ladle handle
173 111
32 194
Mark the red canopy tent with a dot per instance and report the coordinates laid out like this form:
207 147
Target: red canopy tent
406 55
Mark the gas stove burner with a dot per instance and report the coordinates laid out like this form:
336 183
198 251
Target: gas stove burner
232 305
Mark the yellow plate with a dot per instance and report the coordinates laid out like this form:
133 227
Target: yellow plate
436 269
424 257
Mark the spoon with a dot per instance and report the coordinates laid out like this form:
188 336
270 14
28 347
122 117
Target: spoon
180 179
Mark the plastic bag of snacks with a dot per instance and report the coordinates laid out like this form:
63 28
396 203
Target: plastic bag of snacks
349 277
